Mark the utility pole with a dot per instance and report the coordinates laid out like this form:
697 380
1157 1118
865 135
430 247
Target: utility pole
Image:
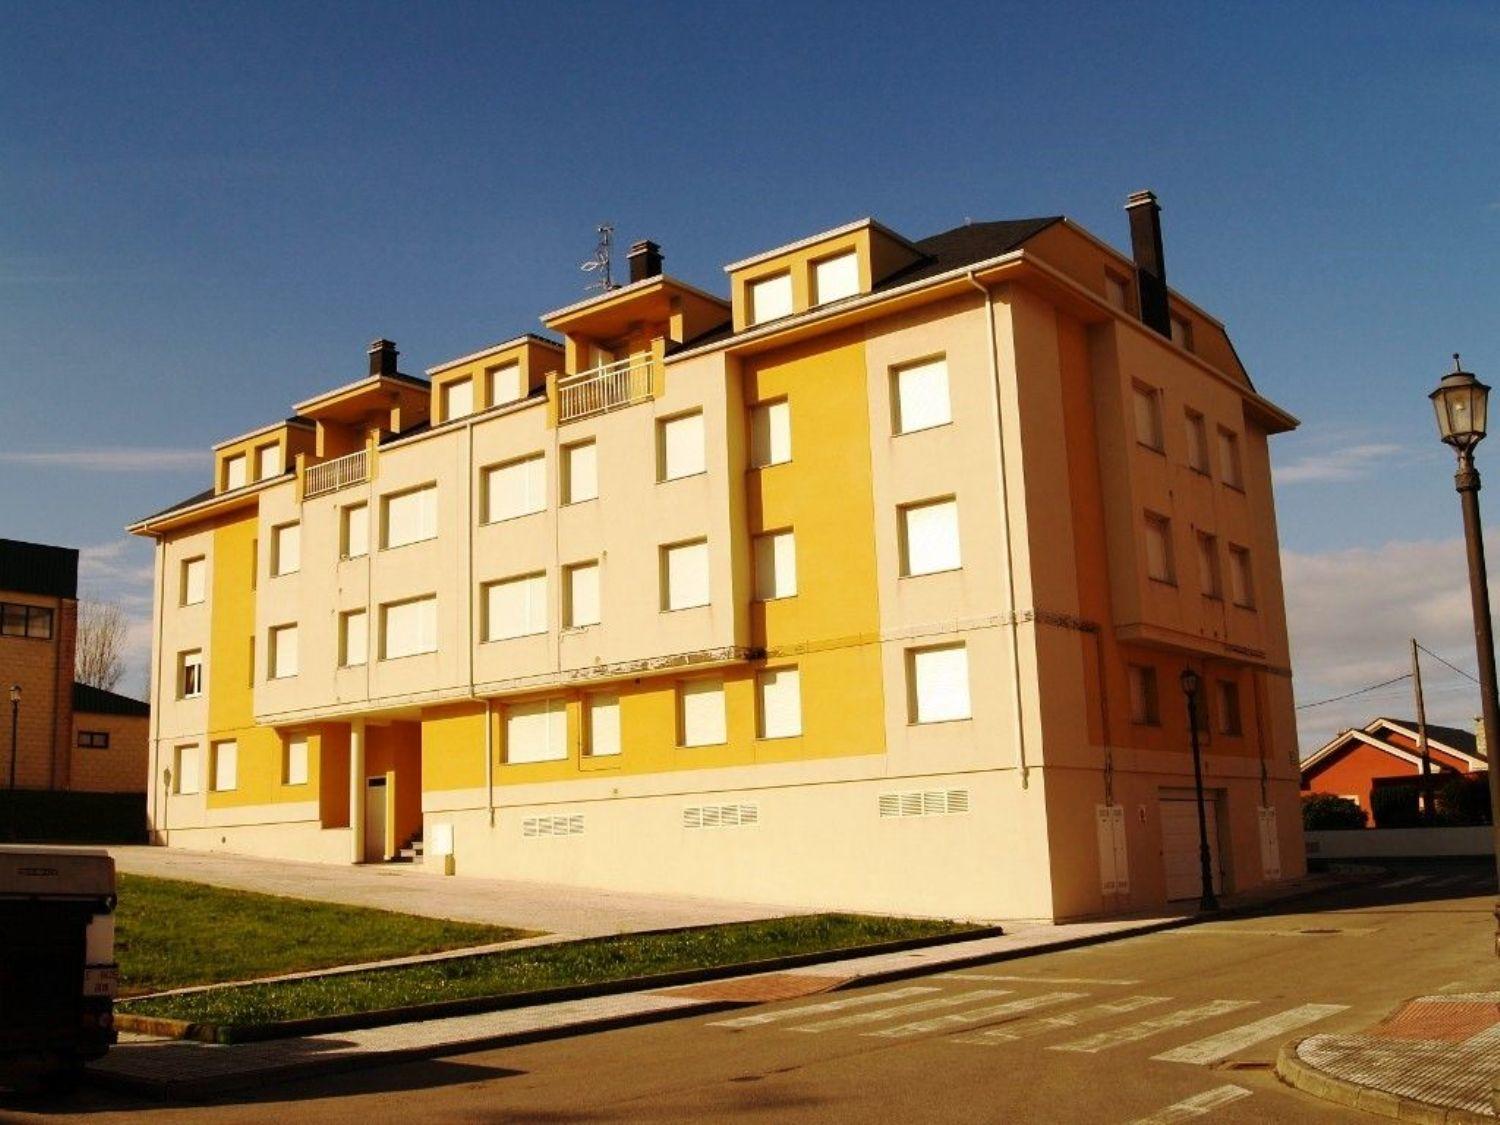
1429 810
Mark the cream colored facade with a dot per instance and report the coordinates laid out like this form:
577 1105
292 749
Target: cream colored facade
941 708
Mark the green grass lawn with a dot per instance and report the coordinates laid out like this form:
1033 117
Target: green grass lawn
169 934
548 966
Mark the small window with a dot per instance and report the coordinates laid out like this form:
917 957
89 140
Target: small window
1229 459
919 393
1144 708
282 657
1182 332
1241 578
294 761
286 549
536 732
194 581
1210 580
1197 441
354 532
580 472
780 692
581 595
929 537
835 278
458 399
770 298
506 385
185 775
354 639
226 766
1230 722
1117 291
516 488
410 516
515 607
93 739
234 473
603 717
1159 561
1147 416
938 683
684 570
190 673
268 461
679 447
775 566
770 433
32 621
701 712
408 628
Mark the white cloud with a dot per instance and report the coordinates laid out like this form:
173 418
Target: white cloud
1352 462
109 460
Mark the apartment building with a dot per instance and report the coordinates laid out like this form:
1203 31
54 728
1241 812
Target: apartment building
867 585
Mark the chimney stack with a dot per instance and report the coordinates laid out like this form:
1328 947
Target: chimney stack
1150 263
383 355
1479 737
645 260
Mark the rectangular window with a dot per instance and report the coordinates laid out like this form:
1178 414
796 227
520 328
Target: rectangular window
1182 332
775 566
93 739
938 683
536 732
226 766
684 575
286 549
354 639
268 461
410 517
1159 562
1144 709
679 446
1147 416
408 628
701 712
770 433
780 691
458 399
1241 578
33 621
1197 442
1230 722
516 488
581 595
515 607
185 778
919 392
190 674
1209 579
506 385
354 532
580 472
1117 291
835 278
294 765
282 657
929 537
234 474
1230 469
194 581
603 717
770 297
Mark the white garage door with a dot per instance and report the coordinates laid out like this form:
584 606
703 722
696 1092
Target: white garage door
1179 847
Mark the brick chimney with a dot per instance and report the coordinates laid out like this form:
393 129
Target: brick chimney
383 355
645 260
1479 741
1150 263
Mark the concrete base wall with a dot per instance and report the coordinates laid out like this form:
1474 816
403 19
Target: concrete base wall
301 840
1402 843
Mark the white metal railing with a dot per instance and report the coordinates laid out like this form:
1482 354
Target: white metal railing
341 472
605 388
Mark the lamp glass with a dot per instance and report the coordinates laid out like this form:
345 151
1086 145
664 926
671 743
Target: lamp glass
1461 403
1189 681
15 693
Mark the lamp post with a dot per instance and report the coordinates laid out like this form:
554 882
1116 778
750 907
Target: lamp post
1190 682
15 721
1461 403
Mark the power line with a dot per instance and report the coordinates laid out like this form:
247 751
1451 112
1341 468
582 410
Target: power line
1449 663
1352 694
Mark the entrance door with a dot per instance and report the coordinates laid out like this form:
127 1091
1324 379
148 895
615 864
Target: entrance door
374 820
1179 847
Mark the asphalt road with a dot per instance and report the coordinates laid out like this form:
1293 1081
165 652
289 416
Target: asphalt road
1176 1026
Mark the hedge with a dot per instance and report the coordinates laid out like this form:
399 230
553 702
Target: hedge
44 816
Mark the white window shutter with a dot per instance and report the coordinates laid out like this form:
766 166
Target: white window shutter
770 298
702 703
581 472
775 565
604 725
583 595
931 539
283 651
682 448
771 433
194 581
516 489
268 462
411 517
941 683
505 385
922 396
234 472
296 761
687 575
780 703
516 607
356 639
286 548
187 769
536 732
356 531
458 399
835 278
1147 417
226 766
410 628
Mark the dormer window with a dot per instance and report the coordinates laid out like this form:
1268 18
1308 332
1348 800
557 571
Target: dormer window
268 461
1182 332
506 385
770 298
835 278
458 399
234 472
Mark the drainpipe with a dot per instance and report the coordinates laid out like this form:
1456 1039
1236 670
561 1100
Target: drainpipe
1010 574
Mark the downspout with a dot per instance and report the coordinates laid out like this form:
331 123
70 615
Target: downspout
489 734
154 672
1009 560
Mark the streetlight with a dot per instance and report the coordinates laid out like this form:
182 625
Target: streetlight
15 719
1461 401
1190 682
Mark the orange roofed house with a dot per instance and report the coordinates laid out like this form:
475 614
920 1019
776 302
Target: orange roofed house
1355 761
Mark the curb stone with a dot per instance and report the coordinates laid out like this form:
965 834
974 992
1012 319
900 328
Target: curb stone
1310 1080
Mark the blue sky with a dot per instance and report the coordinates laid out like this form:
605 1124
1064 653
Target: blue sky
206 212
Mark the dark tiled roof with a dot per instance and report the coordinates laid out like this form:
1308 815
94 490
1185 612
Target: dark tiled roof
196 498
96 701
1454 737
38 568
966 245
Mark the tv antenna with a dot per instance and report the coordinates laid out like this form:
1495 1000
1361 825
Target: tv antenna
601 260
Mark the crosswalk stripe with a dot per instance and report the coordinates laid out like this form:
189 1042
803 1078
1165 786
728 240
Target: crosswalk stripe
1135 1032
1037 1025
1226 1043
1198 1105
858 1001
978 1015
860 1018
1408 881
1038 980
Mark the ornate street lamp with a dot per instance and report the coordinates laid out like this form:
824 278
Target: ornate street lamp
1462 402
1190 682
15 719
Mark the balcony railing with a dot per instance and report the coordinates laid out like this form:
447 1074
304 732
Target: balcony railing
605 388
341 472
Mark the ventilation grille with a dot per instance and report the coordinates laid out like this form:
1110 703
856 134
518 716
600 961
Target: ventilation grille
534 826
925 802
720 816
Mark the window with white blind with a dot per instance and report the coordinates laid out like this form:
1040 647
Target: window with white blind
194 581
515 607
190 673
1210 580
410 517
701 712
294 761
1230 467
1144 710
536 732
354 638
234 472
226 766
938 679
354 532
1228 701
581 595
1182 332
780 692
684 569
679 447
775 565
770 433
580 472
919 393
408 628
771 297
458 399
1147 402
516 488
286 549
835 278
929 537
1159 562
1197 441
185 776
1241 579
268 461
506 385
602 713
1117 291
282 655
